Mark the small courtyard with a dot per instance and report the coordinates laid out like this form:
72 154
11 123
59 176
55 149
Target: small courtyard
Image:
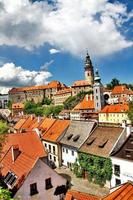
82 185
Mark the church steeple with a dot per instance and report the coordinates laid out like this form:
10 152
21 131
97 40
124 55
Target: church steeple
89 72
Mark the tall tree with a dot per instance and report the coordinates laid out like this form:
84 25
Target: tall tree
113 83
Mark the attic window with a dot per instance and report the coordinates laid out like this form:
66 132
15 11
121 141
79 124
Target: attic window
76 138
10 178
69 136
90 141
102 144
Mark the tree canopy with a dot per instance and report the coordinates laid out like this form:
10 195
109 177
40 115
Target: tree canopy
130 112
5 194
113 83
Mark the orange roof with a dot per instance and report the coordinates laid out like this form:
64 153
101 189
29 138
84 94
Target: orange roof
30 120
117 108
121 89
36 123
125 192
80 83
64 91
72 194
56 130
87 103
26 142
30 148
17 106
19 124
52 84
46 124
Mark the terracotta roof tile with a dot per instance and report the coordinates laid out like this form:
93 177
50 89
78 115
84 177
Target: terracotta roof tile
64 91
30 150
80 83
116 108
46 124
124 192
72 194
87 103
19 124
17 106
56 130
121 89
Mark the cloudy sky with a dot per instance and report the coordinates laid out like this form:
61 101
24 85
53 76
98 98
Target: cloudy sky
45 40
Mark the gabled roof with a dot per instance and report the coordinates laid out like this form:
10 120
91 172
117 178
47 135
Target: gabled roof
121 89
124 192
52 84
77 133
56 130
30 120
101 141
30 150
19 124
26 142
17 106
126 150
46 124
75 195
116 108
86 104
80 83
36 123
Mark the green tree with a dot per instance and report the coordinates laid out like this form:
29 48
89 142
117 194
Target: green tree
47 101
5 194
9 105
130 112
3 127
113 83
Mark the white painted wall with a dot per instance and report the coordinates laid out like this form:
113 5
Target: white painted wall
67 156
75 116
51 155
126 170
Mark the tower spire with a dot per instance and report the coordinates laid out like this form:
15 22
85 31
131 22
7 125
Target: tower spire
89 72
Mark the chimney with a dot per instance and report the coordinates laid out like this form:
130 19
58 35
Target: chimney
38 119
91 97
128 130
87 97
15 152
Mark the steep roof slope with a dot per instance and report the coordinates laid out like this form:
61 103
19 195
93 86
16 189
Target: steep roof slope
125 192
72 194
77 133
56 130
102 140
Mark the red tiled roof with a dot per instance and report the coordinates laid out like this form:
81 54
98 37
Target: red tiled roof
121 89
117 108
31 149
46 124
87 103
52 84
17 106
30 120
19 124
80 83
124 192
75 195
56 130
64 91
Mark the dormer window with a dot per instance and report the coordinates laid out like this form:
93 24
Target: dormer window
69 136
90 141
76 138
10 178
102 144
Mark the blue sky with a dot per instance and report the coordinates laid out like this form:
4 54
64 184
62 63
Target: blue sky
41 41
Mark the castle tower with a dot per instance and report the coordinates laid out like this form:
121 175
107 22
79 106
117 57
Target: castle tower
89 72
98 92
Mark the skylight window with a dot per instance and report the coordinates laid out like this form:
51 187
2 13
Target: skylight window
102 144
10 178
76 138
90 141
69 136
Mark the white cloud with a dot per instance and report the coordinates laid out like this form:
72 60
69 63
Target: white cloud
70 25
16 76
46 65
53 51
